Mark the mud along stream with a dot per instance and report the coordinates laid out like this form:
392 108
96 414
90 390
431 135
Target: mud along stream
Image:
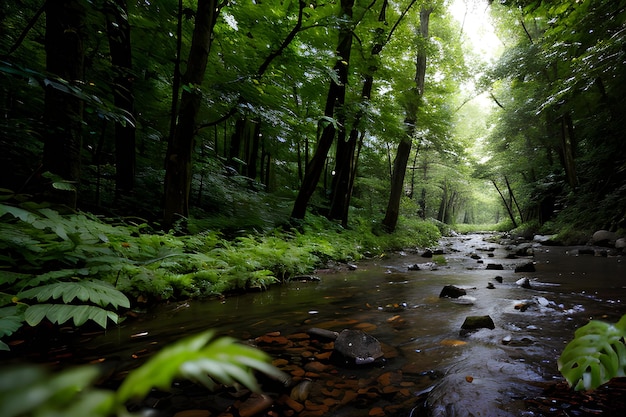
428 367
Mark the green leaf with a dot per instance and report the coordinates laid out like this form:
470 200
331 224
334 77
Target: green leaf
595 356
17 212
61 313
11 319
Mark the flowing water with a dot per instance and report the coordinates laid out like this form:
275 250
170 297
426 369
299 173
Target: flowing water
487 373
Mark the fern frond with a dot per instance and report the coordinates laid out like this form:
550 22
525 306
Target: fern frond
61 313
11 319
95 291
202 359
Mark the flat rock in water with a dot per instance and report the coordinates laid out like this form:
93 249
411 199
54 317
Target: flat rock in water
358 347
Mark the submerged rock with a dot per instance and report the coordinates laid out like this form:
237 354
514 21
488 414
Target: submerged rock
358 347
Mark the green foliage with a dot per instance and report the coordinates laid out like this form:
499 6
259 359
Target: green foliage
596 355
11 319
222 361
33 391
563 69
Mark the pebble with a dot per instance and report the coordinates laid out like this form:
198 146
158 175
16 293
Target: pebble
255 404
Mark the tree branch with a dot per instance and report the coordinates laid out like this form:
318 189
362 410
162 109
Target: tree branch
264 66
27 29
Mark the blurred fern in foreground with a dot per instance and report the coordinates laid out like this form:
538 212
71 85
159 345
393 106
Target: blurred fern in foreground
31 390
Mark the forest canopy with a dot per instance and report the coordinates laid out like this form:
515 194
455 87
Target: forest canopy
232 114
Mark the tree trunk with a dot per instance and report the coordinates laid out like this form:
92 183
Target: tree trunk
176 78
179 152
345 155
567 146
506 204
513 199
441 213
63 113
118 31
335 98
253 151
404 148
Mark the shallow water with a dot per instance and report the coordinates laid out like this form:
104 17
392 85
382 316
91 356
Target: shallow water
489 372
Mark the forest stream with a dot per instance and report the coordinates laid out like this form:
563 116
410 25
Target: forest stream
429 368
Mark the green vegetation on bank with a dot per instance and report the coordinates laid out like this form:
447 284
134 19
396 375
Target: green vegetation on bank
79 267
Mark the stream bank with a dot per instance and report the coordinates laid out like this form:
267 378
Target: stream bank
428 367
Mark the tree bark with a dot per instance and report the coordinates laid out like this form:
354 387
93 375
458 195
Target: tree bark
118 31
404 148
63 113
335 99
179 152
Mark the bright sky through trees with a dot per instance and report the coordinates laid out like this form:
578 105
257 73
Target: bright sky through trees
478 30
479 38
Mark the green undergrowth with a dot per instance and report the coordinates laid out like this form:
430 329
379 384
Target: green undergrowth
79 267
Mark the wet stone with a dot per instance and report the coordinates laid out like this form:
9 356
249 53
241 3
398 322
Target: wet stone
527 267
358 347
452 291
472 323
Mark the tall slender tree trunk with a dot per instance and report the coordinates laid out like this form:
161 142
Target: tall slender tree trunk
404 148
176 76
63 113
513 199
568 148
335 99
507 205
180 149
118 31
